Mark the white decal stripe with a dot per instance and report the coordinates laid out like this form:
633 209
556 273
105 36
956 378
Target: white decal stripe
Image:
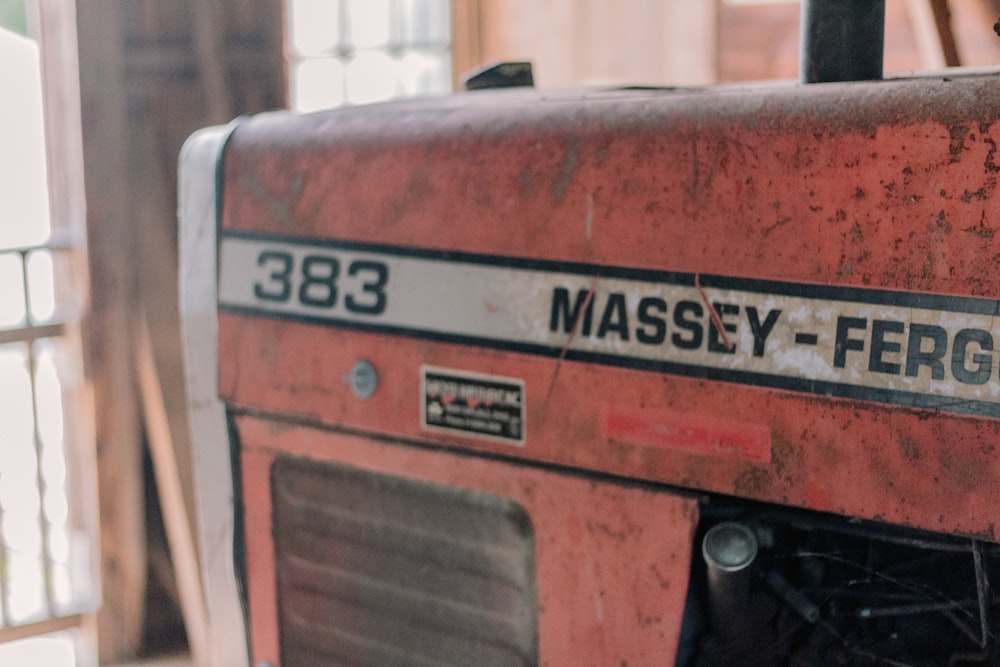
891 348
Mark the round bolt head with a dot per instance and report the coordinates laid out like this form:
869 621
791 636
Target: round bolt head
363 379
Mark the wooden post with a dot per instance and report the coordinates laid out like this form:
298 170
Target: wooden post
466 32
176 519
109 328
186 66
55 24
209 38
932 31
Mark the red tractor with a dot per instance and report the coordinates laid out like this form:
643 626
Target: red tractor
615 377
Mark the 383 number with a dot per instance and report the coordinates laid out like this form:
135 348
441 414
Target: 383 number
316 282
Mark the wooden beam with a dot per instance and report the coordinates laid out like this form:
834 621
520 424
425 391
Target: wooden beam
159 360
109 329
55 25
175 62
946 34
209 38
932 31
173 504
133 131
466 35
153 184
40 628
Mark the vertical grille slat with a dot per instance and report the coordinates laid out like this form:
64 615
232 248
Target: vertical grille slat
383 570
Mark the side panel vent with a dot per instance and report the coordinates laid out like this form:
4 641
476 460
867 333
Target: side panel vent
379 570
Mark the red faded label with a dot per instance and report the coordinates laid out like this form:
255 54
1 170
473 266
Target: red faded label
695 434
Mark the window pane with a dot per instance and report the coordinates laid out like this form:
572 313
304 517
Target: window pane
370 23
368 51
317 84
426 74
372 77
16 429
62 586
55 650
426 23
41 286
49 394
313 26
21 529
24 206
12 310
26 586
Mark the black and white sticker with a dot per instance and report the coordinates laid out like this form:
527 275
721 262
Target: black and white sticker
903 348
487 406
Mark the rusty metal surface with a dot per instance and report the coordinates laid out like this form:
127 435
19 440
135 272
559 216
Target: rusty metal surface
886 185
611 560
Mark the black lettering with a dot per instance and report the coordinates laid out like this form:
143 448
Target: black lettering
715 342
876 363
916 356
280 278
375 287
570 318
319 281
980 373
650 308
615 317
761 330
843 342
693 327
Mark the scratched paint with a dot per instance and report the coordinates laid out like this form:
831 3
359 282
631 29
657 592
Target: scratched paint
889 187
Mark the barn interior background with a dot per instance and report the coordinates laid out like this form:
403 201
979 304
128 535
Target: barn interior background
99 547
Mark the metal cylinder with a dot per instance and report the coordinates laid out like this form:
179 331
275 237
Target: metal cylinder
842 40
729 549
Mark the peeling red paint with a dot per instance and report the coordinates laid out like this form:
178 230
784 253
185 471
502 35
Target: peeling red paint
888 185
